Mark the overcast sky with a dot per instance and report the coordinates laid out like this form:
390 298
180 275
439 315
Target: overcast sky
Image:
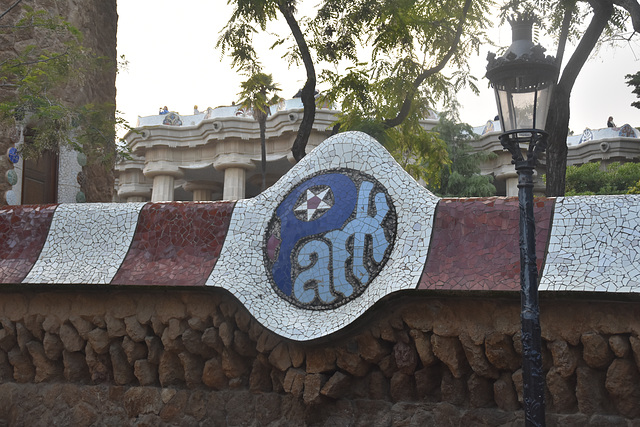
172 58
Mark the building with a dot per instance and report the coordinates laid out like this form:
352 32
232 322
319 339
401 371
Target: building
212 155
215 154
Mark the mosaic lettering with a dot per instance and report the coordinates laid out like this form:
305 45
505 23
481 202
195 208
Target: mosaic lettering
329 238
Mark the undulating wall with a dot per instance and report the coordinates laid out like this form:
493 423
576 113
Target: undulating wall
345 294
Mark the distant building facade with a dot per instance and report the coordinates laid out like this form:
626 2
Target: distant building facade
215 154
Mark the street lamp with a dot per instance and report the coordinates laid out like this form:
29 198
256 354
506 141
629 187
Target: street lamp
523 79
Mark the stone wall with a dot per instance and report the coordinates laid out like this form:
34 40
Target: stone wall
186 357
97 20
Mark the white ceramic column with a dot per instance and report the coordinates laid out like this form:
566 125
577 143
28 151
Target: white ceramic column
134 199
202 190
162 190
234 167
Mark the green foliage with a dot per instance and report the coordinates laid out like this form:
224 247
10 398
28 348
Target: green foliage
590 179
255 94
34 80
462 178
634 80
395 49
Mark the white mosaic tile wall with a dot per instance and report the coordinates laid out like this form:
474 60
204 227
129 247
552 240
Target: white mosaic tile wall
240 268
594 245
86 243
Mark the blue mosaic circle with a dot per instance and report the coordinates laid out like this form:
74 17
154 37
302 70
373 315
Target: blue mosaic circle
329 238
13 154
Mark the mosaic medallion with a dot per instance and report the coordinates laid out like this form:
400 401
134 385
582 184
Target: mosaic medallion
172 119
329 238
13 155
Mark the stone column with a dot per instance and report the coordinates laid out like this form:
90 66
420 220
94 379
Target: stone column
511 183
134 199
162 188
234 176
203 191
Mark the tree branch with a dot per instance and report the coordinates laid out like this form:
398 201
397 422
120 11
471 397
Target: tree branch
633 8
564 33
308 91
408 100
10 8
602 13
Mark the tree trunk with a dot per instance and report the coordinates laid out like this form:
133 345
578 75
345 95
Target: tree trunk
263 146
558 119
308 91
558 128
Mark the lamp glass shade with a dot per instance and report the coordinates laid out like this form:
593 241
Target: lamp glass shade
523 94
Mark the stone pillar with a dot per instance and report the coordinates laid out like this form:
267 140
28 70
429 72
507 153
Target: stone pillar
203 191
134 199
511 183
164 170
234 176
162 188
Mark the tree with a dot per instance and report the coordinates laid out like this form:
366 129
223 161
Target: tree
591 178
237 37
254 96
33 81
634 80
462 178
563 19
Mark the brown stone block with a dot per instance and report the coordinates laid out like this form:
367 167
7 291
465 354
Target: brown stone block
562 391
279 357
428 381
504 393
23 336
133 350
449 351
193 367
260 377
620 346
623 384
46 370
477 359
243 319
75 367
142 400
51 324
296 353
121 305
500 352
233 365
402 387
33 323
454 390
320 359
312 385
337 386
370 348
71 339
154 349
170 371
53 346
213 375
174 408
211 338
267 341
99 340
198 323
122 370
388 365
294 382
6 371
23 369
565 358
423 347
596 352
99 365
115 326
243 345
590 390
352 363
480 391
82 326
83 415
146 372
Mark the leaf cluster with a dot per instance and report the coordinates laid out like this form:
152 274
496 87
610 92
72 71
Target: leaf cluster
462 177
34 83
255 94
593 179
633 80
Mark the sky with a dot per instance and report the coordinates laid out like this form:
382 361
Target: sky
172 61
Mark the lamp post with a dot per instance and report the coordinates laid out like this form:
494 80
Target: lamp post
523 80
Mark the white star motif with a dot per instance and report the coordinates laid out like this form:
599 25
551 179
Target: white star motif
314 202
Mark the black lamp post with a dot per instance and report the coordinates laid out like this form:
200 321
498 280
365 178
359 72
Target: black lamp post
523 80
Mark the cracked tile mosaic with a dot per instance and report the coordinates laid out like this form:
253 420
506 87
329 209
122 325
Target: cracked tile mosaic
475 244
175 244
594 245
23 231
86 243
343 229
348 248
